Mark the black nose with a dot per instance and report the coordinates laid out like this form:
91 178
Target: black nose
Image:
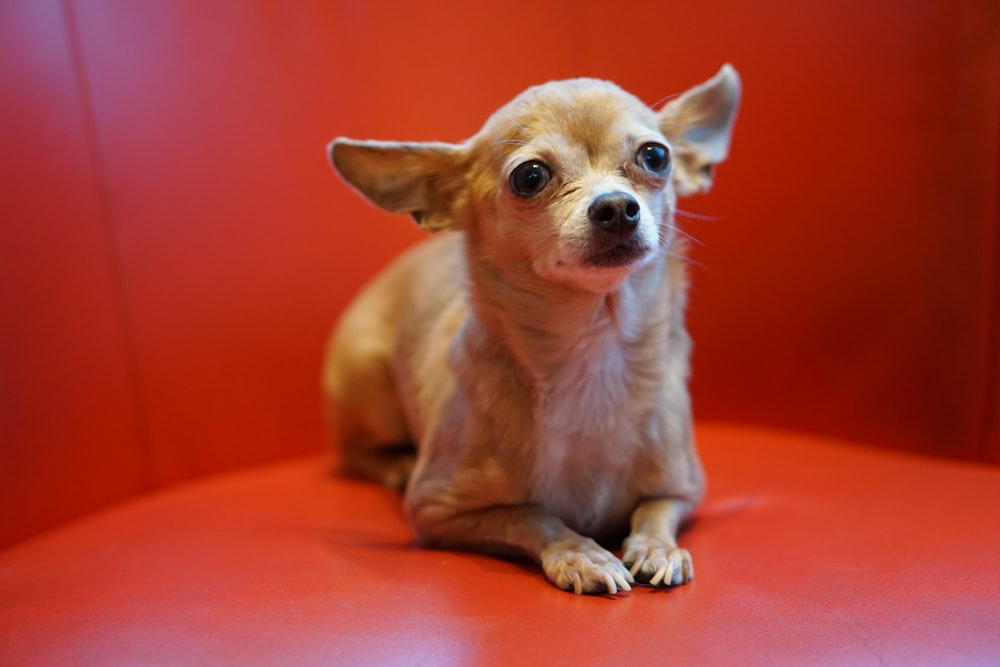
615 213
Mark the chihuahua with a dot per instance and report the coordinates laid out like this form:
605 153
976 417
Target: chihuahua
523 376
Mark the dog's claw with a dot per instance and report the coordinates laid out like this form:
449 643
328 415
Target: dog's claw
661 575
615 582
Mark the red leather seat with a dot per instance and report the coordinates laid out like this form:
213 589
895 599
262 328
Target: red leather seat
807 550
174 248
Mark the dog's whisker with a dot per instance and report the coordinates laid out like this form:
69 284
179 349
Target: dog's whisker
665 231
664 100
686 234
686 259
689 215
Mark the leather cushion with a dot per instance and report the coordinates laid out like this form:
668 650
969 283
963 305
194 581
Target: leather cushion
806 550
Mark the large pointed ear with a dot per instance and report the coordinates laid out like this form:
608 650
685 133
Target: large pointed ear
421 179
699 125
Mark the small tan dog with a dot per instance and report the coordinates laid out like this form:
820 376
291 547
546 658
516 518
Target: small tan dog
536 356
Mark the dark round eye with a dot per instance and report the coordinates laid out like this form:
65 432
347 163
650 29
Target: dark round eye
654 158
529 178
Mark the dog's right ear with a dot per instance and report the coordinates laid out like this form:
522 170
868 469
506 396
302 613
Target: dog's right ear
424 180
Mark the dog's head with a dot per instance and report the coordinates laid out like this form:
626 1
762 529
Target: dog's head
576 181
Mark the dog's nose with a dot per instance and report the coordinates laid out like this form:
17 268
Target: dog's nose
615 213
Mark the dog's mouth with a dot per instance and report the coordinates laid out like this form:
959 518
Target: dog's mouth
619 255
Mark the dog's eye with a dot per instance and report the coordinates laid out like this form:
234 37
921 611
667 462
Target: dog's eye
654 158
529 178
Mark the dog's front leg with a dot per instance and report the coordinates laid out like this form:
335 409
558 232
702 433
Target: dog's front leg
650 551
570 560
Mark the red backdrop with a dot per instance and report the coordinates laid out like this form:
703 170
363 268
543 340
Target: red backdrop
174 247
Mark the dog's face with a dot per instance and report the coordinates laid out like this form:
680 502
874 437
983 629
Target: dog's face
576 180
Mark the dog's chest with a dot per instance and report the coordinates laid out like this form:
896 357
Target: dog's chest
590 433
586 394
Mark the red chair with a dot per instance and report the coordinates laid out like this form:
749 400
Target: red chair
174 250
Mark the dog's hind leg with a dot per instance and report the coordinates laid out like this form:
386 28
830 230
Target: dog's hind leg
367 422
388 465
370 451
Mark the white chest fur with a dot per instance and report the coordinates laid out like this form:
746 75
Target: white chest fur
588 435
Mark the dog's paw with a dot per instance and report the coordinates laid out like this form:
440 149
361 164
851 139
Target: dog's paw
652 562
583 566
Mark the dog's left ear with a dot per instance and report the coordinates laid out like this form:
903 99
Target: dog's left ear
423 180
699 125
